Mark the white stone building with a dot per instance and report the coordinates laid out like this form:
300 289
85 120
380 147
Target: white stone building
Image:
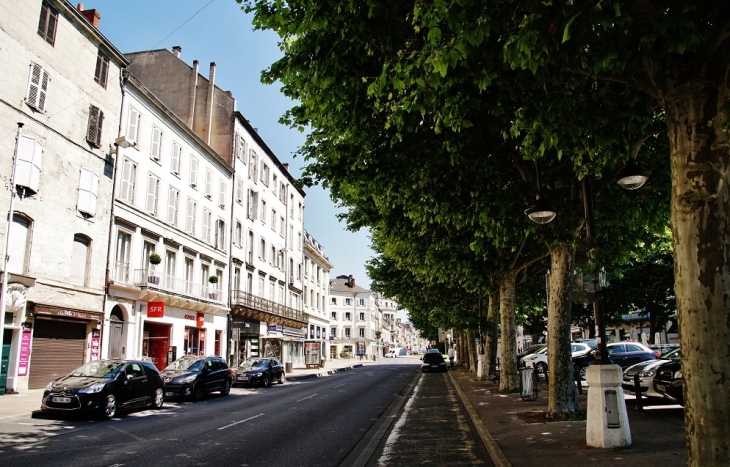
60 78
173 198
316 295
352 321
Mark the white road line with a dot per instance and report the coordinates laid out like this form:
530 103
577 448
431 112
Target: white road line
308 397
240 421
339 385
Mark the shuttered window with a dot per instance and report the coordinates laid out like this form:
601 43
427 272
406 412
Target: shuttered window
47 23
96 120
37 87
190 217
222 193
153 194
193 172
208 183
28 165
133 125
156 143
175 159
79 260
207 218
173 205
129 176
88 187
102 69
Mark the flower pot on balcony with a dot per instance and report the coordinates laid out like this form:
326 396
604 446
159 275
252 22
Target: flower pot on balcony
153 280
213 295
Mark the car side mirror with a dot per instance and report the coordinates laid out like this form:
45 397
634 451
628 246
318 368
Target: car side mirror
130 377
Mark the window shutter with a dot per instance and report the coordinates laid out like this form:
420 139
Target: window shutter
88 187
193 172
206 225
37 87
133 127
28 165
102 69
172 206
190 218
43 23
239 191
153 193
156 143
175 162
221 193
208 183
51 28
96 118
128 173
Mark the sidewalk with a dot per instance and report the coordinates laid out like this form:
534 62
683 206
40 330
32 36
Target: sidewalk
657 433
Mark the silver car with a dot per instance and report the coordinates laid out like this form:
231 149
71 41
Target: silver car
646 371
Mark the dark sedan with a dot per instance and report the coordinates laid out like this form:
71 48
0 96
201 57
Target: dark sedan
668 380
105 386
625 354
260 371
193 377
433 362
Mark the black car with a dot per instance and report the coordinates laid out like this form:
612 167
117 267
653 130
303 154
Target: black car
668 380
260 371
105 386
193 377
433 361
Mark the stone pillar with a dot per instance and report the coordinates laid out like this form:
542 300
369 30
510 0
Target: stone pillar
608 423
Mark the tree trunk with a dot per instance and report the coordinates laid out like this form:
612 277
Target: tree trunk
471 350
561 388
490 348
508 334
701 229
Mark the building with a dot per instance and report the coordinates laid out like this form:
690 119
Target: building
352 322
387 309
170 238
267 213
60 79
316 295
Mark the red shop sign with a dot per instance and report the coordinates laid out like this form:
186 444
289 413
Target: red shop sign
200 320
155 309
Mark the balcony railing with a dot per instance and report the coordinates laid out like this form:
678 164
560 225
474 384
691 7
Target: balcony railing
256 303
165 282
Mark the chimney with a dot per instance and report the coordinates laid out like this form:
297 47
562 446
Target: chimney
193 94
286 166
211 95
176 51
351 281
92 16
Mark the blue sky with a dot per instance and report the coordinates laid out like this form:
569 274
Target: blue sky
219 31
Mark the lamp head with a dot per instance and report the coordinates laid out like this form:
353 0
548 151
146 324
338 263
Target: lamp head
541 212
631 176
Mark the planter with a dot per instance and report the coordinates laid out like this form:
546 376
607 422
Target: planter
153 280
213 295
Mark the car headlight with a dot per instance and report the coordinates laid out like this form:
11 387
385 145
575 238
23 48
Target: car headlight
258 373
50 386
647 373
678 374
92 389
184 379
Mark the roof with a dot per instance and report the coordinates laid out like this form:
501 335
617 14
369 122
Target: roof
341 285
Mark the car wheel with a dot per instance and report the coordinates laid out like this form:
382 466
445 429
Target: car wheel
281 378
265 382
197 392
226 388
110 407
159 398
541 368
582 372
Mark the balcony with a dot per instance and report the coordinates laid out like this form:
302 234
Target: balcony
252 306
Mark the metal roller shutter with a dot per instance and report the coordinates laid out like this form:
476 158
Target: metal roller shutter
58 348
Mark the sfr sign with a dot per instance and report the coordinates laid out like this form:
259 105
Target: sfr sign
155 309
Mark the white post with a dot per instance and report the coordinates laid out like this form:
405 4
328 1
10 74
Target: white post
4 285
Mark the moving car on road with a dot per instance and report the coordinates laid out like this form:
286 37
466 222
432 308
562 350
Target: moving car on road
193 377
260 371
433 361
105 386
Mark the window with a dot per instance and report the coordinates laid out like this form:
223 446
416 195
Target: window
361 317
291 237
262 249
361 332
236 279
263 211
79 260
249 283
192 207
193 172
250 247
253 202
129 176
175 159
96 120
156 145
333 332
282 193
264 174
133 124
299 241
348 301
189 262
102 69
88 186
282 226
220 234
347 332
239 235
207 220
348 316
124 246
241 149
222 193
301 211
37 87
173 205
272 259
153 194
208 183
273 220
20 231
47 23
252 166
239 190
28 165
360 302
169 269
204 274
274 184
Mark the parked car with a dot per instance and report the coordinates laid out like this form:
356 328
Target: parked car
662 349
625 354
260 371
646 371
538 360
193 377
104 387
530 350
433 361
530 360
397 352
590 342
668 380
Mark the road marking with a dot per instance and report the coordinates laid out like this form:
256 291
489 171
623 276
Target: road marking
339 385
308 397
127 433
240 421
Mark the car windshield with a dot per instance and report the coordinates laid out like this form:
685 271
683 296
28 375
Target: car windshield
98 369
254 363
673 355
186 363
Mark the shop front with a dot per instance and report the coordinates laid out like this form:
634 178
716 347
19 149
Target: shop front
285 343
245 339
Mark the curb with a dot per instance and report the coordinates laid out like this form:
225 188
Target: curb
495 452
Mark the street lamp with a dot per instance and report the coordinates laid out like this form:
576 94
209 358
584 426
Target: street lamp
542 211
631 176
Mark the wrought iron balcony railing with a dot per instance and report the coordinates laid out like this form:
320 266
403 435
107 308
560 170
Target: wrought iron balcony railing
256 303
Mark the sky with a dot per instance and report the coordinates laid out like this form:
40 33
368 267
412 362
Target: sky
219 31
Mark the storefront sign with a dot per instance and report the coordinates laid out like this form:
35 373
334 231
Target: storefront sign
190 317
200 320
25 340
311 353
95 344
65 313
156 309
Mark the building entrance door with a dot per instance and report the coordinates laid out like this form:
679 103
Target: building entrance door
5 359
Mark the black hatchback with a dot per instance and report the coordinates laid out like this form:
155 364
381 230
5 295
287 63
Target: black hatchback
193 377
260 371
105 386
433 361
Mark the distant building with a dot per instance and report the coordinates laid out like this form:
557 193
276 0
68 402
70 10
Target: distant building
316 292
351 320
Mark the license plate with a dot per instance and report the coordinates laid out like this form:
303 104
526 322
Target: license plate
661 387
168 394
61 400
434 365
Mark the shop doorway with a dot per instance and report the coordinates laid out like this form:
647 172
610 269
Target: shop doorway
194 341
156 343
116 333
5 358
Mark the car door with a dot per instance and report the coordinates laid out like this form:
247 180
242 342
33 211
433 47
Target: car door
634 354
134 384
277 370
617 353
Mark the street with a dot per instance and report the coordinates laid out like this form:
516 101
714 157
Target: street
344 419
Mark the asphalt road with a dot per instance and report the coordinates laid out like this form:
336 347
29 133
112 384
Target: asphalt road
316 422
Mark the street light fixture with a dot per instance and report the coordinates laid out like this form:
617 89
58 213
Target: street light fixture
542 211
631 176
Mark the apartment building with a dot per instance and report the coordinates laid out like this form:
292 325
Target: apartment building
316 295
352 322
60 80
